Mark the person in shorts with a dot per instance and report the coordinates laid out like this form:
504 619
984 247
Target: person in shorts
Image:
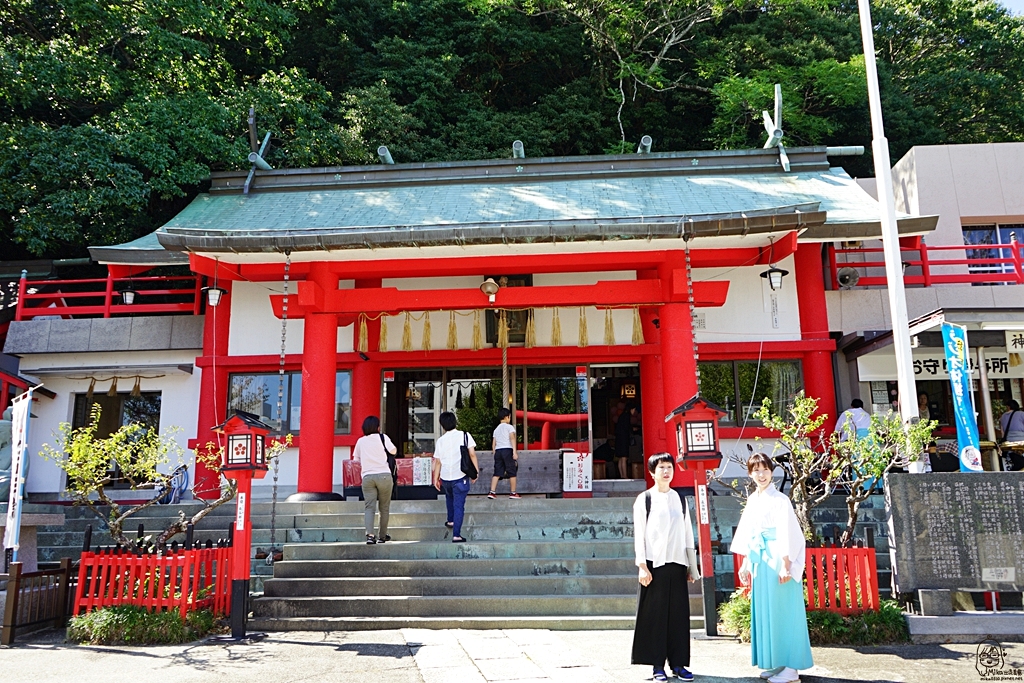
506 459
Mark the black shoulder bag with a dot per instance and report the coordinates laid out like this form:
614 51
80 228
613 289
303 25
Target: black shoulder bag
468 468
392 461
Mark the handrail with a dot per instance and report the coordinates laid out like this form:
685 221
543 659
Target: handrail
980 270
91 297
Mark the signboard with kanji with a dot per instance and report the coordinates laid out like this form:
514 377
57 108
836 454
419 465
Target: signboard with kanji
577 472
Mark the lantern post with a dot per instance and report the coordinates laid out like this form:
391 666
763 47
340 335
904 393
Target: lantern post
243 459
697 450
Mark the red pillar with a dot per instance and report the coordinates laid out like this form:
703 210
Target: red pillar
817 365
366 374
213 391
319 367
652 388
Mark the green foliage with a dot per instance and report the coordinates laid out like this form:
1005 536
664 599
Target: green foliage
883 626
734 615
113 114
130 625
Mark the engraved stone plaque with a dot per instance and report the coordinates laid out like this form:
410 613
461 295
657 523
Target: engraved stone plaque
956 530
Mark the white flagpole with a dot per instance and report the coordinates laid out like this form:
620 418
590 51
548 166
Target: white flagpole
890 233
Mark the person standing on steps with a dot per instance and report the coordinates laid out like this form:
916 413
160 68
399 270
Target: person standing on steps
371 451
772 544
506 459
666 558
448 475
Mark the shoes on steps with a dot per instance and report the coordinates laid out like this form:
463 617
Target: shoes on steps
682 674
384 539
659 675
370 539
450 525
458 539
492 494
514 496
768 673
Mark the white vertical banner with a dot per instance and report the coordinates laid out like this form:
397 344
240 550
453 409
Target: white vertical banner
240 511
21 410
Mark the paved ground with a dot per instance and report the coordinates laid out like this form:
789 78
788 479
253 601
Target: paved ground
417 656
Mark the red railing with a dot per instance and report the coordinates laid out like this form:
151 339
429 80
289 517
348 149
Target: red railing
842 580
186 580
7 381
105 296
1008 268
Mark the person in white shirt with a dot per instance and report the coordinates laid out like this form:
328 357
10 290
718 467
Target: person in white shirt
506 459
772 544
855 422
448 474
666 558
1011 423
371 452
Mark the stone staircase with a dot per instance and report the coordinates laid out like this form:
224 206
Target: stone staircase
530 563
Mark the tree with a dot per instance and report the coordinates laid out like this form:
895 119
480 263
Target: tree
867 460
811 461
141 456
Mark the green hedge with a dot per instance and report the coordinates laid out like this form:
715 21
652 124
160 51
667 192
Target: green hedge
131 625
874 627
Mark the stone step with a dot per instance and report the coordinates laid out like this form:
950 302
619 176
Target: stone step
472 549
449 585
446 606
554 623
454 567
355 520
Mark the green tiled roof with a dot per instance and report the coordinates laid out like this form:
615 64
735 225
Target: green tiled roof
586 198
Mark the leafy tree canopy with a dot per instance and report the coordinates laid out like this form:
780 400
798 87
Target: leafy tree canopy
113 113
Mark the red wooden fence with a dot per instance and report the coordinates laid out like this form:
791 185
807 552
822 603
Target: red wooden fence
186 580
103 297
842 580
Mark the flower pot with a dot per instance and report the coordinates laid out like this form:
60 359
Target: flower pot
916 467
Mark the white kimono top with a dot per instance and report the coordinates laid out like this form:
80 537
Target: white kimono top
768 526
667 535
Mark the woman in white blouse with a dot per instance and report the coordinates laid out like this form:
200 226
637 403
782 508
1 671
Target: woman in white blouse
371 452
665 557
772 544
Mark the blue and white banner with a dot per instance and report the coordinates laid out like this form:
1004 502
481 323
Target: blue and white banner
954 341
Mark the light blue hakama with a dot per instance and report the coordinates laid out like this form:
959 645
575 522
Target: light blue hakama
778 616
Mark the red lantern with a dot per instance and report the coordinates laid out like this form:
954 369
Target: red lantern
243 459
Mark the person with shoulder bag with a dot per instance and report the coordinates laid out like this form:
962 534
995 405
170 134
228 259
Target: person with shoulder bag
455 470
666 558
376 454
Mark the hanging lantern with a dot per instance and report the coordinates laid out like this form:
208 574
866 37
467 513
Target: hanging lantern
774 276
214 295
128 296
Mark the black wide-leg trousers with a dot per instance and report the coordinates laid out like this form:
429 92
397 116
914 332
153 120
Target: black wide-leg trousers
663 618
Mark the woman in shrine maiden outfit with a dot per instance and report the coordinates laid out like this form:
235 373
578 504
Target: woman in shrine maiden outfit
772 544
665 557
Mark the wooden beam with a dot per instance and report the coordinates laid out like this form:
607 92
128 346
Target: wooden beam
616 294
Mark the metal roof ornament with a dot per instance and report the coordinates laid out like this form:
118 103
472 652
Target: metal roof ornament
773 126
256 156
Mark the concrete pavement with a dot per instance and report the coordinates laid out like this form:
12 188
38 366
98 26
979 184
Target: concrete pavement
458 656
